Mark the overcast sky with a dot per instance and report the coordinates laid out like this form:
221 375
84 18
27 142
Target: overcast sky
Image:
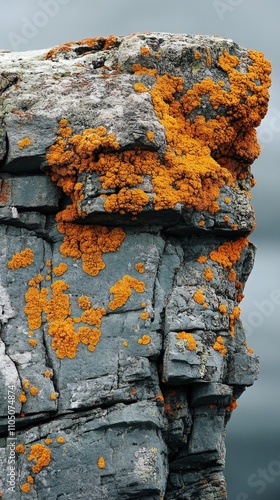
34 24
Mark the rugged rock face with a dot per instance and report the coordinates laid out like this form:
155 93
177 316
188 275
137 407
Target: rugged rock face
125 211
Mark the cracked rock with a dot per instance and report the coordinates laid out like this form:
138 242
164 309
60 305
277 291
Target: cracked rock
125 211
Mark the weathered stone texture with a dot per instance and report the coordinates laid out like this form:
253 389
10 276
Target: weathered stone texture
124 216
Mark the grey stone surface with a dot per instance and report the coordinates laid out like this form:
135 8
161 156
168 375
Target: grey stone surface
122 352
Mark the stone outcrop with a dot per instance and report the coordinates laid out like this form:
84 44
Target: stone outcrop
124 218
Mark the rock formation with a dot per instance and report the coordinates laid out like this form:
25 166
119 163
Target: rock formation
125 213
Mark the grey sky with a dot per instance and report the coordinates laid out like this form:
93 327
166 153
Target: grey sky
26 25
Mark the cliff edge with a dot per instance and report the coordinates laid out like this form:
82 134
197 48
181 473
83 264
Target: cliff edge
125 211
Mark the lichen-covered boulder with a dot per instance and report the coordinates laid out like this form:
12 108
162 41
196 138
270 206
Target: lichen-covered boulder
124 218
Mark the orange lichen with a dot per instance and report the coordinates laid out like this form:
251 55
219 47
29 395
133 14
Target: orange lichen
144 315
201 223
214 207
60 269
236 312
127 200
60 439
92 43
30 479
22 397
140 267
202 259
58 306
187 176
20 448
25 384
159 397
65 338
69 156
24 143
125 343
89 243
145 339
101 463
208 56
34 391
122 290
208 273
240 297
199 154
239 285
197 55
189 338
233 405
145 51
199 298
223 308
141 70
84 302
25 488
232 275
33 342
41 454
226 218
219 345
233 317
229 252
53 396
61 327
48 441
89 337
227 200
33 308
140 87
93 316
36 280
150 135
21 259
48 374
213 133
